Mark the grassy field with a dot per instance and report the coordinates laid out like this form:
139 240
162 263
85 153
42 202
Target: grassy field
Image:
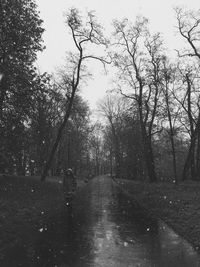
179 206
25 205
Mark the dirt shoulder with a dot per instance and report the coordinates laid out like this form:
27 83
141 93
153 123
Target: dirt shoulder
178 206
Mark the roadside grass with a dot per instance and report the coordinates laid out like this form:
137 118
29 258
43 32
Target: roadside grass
25 205
178 206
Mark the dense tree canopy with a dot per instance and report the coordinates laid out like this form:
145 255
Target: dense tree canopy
20 40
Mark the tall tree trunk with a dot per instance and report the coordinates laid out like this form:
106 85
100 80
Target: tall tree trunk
148 152
150 160
171 135
190 154
197 175
192 162
58 137
111 163
148 155
191 121
173 155
117 158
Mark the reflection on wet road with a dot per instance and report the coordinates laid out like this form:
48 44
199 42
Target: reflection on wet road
125 236
107 230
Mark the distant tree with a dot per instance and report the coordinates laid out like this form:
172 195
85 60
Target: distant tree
97 149
109 150
164 156
122 136
112 108
134 166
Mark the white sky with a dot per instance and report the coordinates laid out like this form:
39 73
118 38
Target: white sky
58 40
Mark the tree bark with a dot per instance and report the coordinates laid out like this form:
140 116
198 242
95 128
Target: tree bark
149 158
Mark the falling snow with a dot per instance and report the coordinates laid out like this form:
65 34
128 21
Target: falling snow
126 244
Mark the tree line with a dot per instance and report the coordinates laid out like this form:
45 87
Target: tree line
153 128
152 114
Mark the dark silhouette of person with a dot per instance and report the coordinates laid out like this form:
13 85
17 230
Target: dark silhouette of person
69 182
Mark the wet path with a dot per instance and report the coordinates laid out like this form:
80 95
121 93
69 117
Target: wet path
108 230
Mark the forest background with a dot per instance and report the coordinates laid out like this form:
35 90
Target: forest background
150 130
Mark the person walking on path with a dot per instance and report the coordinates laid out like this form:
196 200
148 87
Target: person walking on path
69 185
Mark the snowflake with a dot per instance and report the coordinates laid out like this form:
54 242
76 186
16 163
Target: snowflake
125 244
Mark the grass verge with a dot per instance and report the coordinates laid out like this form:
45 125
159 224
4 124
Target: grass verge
25 205
178 206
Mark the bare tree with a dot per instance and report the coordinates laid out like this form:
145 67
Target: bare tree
84 35
189 28
187 96
171 109
138 63
112 108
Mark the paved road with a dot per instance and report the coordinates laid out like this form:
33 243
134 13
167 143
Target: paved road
107 230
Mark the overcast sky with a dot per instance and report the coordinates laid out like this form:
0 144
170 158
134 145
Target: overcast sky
58 40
